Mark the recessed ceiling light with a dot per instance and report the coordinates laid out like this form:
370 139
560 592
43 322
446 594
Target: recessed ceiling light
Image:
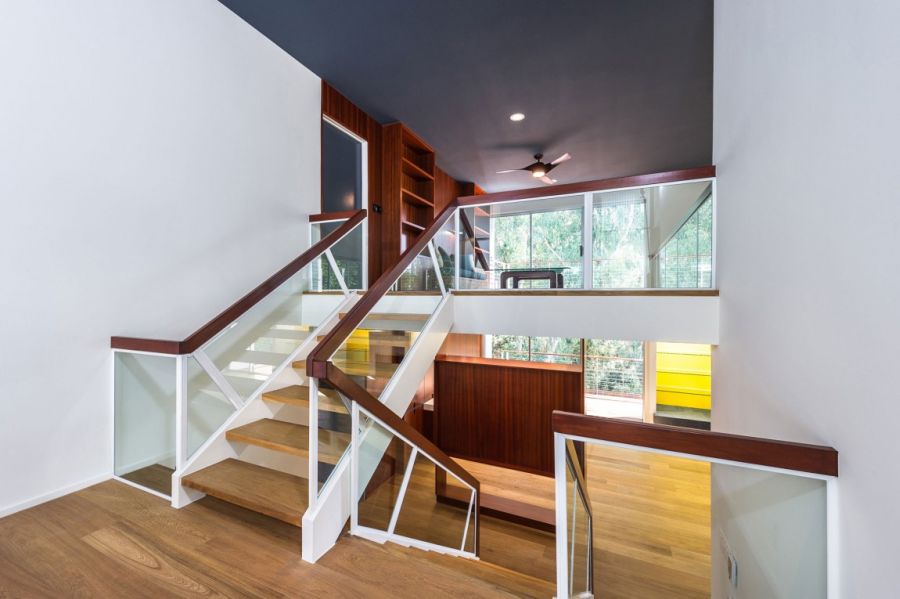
516 117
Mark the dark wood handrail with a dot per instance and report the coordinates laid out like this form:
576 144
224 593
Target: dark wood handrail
331 216
814 459
316 362
353 391
230 314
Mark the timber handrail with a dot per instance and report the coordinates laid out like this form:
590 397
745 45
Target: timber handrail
354 392
316 362
237 309
801 457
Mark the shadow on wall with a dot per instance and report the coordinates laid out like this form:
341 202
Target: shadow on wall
774 526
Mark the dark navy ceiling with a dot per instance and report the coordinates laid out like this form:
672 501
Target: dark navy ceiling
624 86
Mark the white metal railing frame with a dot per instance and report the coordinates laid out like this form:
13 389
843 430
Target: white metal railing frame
562 532
390 534
183 460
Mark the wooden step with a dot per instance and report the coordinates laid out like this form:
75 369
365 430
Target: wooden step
298 333
287 437
359 368
404 340
393 316
298 395
262 490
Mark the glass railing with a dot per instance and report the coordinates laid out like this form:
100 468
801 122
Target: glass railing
251 349
736 516
172 397
657 236
394 482
349 256
145 406
373 352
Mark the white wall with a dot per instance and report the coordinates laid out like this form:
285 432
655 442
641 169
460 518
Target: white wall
805 142
775 530
659 318
158 158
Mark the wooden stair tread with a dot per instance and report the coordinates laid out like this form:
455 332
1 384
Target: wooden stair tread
276 494
287 437
356 368
298 395
393 315
403 340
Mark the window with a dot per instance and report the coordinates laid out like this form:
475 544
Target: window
620 239
614 368
556 350
534 240
686 259
342 170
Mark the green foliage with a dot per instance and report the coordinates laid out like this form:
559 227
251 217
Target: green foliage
610 366
620 244
541 239
686 260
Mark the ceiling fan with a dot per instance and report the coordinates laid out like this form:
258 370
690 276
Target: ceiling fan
539 169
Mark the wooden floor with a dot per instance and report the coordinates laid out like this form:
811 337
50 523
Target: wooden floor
112 540
651 524
651 527
154 476
651 540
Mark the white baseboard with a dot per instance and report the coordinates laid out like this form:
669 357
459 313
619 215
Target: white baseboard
24 505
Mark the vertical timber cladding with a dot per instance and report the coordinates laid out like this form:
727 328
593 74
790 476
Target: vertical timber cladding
499 411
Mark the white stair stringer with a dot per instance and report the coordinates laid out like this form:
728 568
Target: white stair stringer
217 448
324 523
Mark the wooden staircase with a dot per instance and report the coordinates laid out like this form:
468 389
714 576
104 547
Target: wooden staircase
372 354
267 490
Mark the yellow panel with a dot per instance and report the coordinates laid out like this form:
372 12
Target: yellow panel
683 375
683 400
358 340
691 363
699 349
686 383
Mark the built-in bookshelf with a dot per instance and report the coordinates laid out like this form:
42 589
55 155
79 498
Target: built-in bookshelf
407 187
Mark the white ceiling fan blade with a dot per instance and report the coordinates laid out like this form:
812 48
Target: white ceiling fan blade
548 180
562 158
512 170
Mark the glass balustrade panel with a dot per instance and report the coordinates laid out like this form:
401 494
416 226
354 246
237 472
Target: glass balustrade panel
378 346
144 396
249 350
727 528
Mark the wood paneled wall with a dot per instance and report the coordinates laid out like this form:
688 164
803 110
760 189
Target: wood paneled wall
499 411
341 110
455 344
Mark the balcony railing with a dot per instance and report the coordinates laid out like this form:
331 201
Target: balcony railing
648 232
